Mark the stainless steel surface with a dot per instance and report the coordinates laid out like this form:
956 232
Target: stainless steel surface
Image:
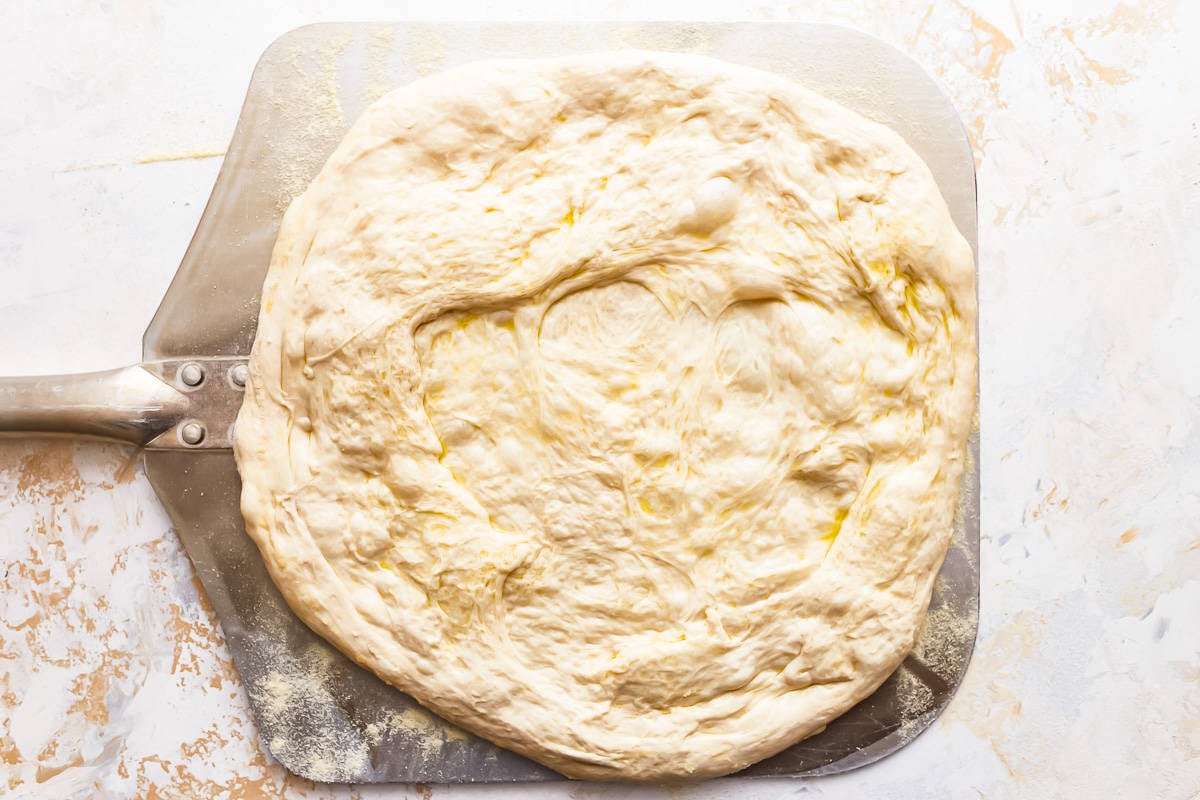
305 90
130 404
212 402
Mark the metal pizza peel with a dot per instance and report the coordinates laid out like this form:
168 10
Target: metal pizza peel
319 714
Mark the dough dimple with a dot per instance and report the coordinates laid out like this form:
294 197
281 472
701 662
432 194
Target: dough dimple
614 406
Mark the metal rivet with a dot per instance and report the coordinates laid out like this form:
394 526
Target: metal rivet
191 374
238 373
191 433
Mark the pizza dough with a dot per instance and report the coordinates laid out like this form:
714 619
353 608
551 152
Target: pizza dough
614 407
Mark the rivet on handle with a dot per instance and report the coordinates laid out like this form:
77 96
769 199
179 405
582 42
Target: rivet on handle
191 432
239 374
191 374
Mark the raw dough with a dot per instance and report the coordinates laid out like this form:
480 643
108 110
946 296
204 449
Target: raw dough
614 406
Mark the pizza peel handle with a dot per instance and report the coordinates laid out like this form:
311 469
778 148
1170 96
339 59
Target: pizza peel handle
129 404
158 405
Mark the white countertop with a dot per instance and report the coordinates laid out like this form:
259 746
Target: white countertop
114 678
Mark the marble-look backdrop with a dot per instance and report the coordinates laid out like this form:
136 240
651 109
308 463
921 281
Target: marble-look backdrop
114 678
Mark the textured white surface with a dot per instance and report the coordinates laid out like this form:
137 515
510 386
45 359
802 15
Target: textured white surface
1086 679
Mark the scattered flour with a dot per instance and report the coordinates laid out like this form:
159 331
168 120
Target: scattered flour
294 697
309 112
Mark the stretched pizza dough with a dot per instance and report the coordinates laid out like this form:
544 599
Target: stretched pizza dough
614 407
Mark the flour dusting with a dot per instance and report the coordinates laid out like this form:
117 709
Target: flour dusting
943 643
379 53
311 115
295 697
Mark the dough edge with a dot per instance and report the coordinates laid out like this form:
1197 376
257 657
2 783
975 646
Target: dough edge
304 576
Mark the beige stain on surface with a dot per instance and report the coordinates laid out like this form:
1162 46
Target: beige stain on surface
991 712
1085 70
1053 501
959 40
91 689
10 755
45 773
66 628
937 39
161 779
47 476
196 637
1071 69
49 473
1147 16
991 47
